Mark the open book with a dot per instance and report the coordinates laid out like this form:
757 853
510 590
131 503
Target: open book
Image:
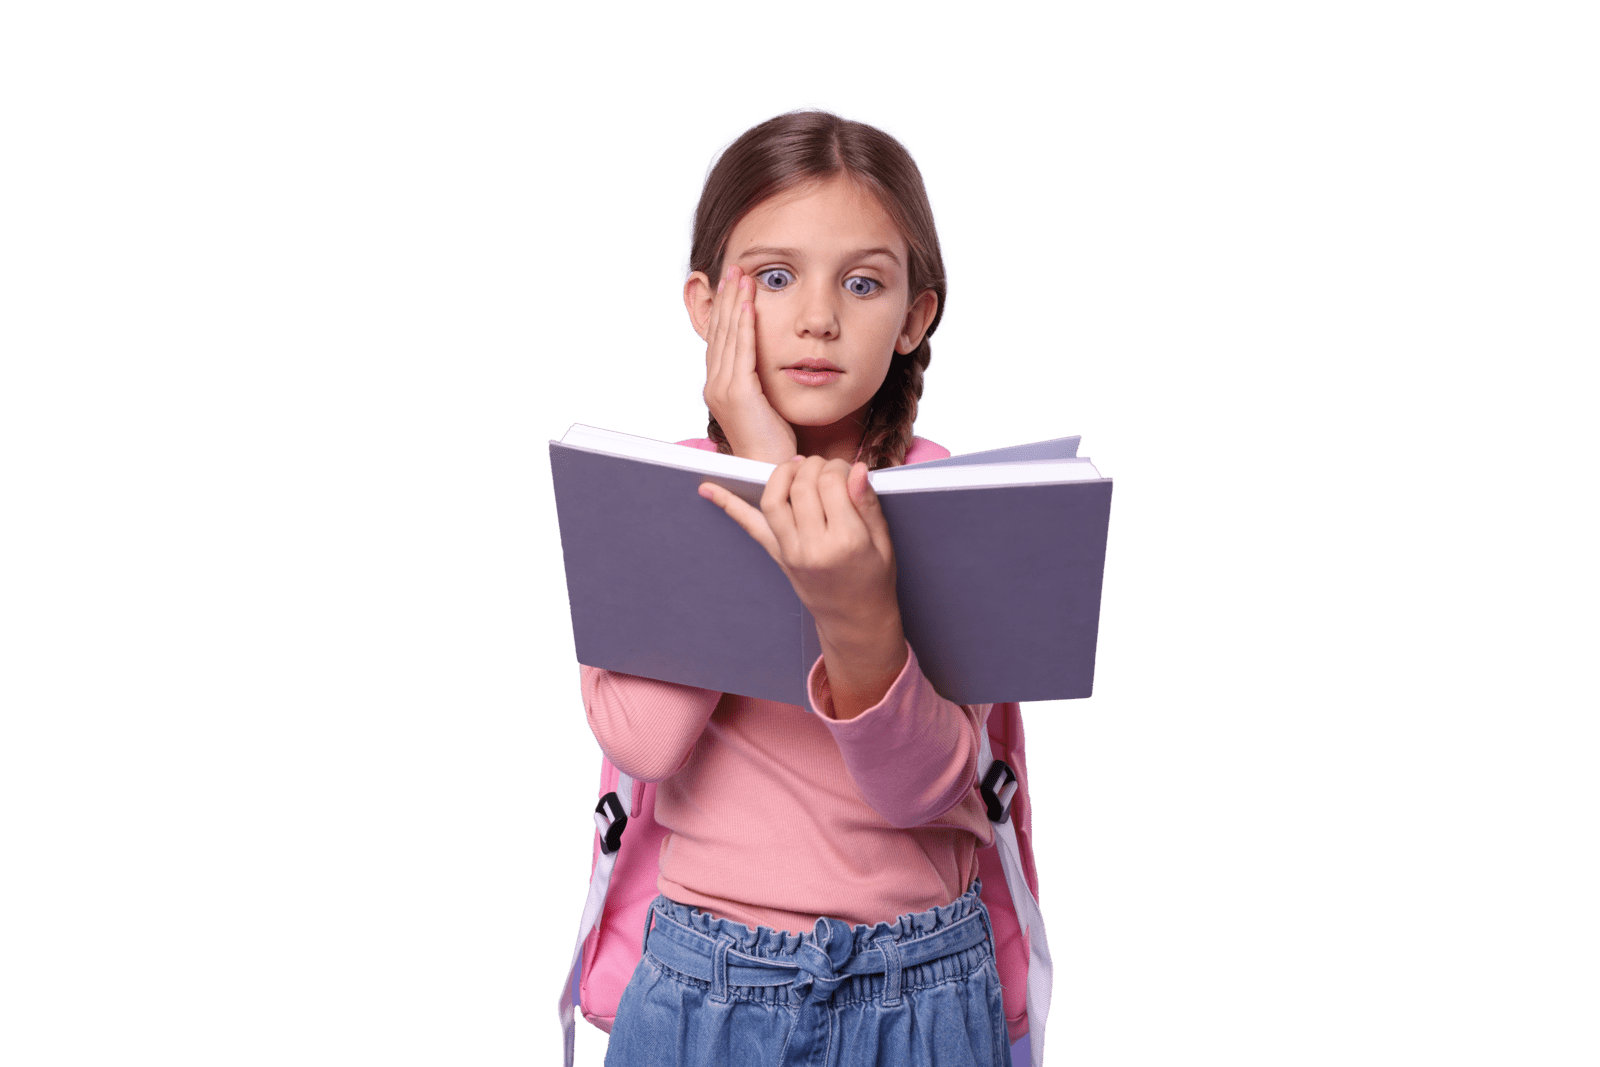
999 558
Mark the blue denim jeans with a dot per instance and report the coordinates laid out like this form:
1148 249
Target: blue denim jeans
921 991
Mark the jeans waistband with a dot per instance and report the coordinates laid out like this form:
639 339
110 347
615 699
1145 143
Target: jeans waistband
818 962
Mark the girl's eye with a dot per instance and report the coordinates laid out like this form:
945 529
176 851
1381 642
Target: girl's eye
776 278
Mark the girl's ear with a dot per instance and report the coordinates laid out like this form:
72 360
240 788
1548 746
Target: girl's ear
918 315
698 293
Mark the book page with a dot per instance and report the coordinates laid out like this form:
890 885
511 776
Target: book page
1028 472
684 457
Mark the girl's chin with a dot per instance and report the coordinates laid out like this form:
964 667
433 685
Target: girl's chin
815 423
813 407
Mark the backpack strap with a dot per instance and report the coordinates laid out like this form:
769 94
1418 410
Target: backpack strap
610 817
998 785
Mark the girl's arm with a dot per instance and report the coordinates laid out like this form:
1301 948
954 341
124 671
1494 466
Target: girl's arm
646 728
913 755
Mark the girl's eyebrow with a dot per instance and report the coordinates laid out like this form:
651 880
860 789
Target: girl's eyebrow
769 252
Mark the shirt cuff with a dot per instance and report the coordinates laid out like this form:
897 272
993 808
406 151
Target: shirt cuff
913 754
820 691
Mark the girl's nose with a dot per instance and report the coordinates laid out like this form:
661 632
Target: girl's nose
818 317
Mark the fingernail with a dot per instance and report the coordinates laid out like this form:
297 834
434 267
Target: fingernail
720 285
798 459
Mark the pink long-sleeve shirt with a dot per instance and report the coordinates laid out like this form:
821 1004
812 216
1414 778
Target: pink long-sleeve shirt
779 814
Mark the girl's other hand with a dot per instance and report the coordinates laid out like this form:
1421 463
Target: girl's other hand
822 523
753 426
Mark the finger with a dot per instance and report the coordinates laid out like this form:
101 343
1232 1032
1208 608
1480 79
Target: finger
775 506
718 330
733 370
745 339
810 520
733 315
833 485
752 521
727 319
845 524
870 509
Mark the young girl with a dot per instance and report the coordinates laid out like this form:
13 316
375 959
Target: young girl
818 887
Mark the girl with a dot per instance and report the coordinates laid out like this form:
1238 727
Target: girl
818 902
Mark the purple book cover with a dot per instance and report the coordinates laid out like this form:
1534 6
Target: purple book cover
999 586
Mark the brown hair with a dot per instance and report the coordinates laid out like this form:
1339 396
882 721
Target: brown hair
805 146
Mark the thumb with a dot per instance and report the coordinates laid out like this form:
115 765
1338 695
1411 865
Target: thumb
751 519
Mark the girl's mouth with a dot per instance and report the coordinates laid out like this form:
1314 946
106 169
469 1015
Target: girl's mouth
810 376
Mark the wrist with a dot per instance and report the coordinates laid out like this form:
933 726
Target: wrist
860 676
878 636
764 451
766 444
867 606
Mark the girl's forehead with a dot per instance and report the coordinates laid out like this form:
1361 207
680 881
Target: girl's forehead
835 212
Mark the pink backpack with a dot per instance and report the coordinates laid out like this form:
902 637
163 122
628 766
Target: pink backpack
623 883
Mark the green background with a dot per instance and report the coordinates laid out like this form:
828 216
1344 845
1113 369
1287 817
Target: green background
292 757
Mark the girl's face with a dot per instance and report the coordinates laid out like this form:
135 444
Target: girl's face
832 304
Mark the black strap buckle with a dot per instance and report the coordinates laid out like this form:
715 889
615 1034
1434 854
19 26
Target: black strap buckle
619 821
999 787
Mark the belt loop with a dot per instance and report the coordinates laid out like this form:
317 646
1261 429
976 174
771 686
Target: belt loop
891 970
649 916
719 971
988 929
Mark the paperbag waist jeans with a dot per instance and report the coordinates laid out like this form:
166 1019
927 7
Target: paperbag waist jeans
921 991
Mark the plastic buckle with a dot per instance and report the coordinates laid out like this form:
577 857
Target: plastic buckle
998 800
619 821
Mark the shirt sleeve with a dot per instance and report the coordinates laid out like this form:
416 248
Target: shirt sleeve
913 755
646 728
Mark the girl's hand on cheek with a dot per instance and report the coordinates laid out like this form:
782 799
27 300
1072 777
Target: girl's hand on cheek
821 522
753 427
